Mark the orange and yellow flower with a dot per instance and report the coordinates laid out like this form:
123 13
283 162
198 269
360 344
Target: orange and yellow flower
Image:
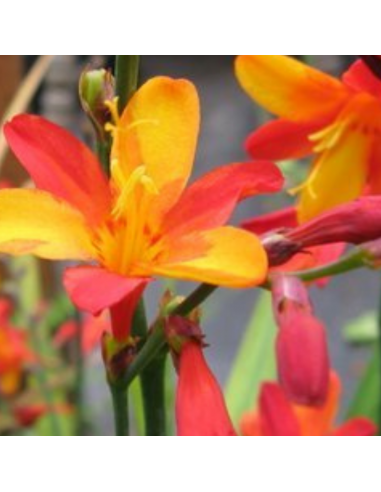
276 416
141 222
339 121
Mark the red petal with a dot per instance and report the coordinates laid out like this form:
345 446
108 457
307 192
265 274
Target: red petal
210 201
60 163
94 290
276 413
360 78
281 219
281 139
358 427
200 405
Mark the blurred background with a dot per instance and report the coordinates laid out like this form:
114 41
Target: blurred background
228 117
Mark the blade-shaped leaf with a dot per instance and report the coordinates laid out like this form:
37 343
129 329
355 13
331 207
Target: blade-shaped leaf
255 362
367 400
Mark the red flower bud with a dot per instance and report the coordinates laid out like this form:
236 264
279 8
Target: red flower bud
200 404
302 351
353 223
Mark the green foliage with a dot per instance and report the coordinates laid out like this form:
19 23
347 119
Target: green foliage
363 330
255 362
367 401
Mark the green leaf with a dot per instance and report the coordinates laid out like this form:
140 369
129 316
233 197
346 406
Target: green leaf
255 362
367 402
363 330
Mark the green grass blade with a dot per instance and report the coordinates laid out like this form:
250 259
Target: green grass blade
255 362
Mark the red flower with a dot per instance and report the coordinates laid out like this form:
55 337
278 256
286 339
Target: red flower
276 416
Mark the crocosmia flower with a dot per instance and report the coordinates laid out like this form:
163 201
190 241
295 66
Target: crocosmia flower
141 222
338 121
276 416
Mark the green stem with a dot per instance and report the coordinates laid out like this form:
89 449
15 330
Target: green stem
379 366
153 389
79 380
126 75
152 381
103 152
120 405
353 261
194 300
156 341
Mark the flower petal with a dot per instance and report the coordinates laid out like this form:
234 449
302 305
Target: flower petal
226 256
281 219
200 405
357 428
326 188
35 222
159 130
94 289
289 88
59 163
280 140
276 413
319 421
211 200
360 78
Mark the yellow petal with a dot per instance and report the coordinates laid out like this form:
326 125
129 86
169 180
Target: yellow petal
339 175
159 131
289 88
225 256
34 222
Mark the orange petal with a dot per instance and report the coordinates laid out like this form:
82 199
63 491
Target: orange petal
225 256
159 130
289 88
60 164
317 421
35 222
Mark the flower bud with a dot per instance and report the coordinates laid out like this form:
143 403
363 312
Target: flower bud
353 223
302 351
117 356
200 404
95 88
